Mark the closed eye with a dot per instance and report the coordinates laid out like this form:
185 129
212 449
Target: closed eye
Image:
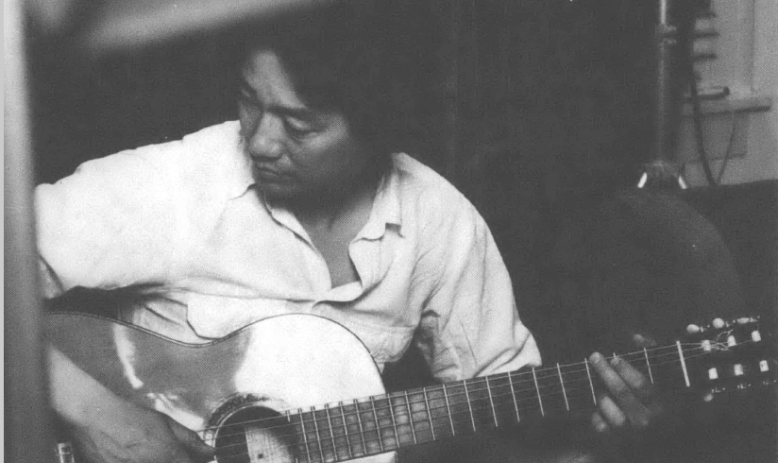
298 128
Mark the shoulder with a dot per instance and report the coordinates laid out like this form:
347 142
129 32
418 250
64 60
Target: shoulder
203 158
428 197
202 147
208 152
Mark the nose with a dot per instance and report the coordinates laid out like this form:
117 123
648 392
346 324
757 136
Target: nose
264 140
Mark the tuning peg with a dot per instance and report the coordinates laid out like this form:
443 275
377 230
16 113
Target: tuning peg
693 329
706 345
764 366
718 323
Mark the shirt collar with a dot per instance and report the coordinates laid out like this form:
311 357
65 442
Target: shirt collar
387 207
241 167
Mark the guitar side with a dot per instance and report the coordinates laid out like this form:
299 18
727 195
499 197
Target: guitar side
280 363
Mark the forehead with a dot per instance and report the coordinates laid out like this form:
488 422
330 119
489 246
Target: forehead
264 74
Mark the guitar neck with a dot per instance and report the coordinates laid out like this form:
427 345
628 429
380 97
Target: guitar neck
723 357
388 422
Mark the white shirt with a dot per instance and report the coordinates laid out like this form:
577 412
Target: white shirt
182 223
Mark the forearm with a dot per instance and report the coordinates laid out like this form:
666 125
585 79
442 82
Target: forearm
109 429
75 396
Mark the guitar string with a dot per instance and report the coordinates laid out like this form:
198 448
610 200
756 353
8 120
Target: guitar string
523 377
357 449
434 389
395 430
330 435
319 440
353 447
365 438
518 380
330 432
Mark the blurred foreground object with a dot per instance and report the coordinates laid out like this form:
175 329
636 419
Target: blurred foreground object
111 25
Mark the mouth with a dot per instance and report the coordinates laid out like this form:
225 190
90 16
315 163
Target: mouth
267 174
269 170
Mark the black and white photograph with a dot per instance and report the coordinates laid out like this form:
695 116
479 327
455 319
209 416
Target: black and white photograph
391 231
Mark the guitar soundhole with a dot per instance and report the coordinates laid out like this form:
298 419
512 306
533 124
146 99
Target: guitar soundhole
255 435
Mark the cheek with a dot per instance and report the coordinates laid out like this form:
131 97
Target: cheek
331 157
344 160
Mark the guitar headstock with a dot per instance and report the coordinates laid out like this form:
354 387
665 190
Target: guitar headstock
731 356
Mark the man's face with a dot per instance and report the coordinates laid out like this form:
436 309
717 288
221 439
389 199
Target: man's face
298 152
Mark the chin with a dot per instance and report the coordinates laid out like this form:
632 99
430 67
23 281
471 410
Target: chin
278 192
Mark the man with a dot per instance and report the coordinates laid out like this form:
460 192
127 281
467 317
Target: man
300 207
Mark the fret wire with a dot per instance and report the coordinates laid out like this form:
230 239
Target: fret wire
562 383
305 435
513 393
511 384
394 422
539 379
377 424
410 417
683 364
318 436
469 405
448 410
458 412
332 433
287 446
648 366
345 429
661 353
429 412
540 401
361 428
674 362
491 402
591 384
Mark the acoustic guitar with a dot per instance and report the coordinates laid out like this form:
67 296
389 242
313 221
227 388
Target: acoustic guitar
303 389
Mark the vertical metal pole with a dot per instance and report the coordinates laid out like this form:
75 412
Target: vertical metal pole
663 170
27 420
667 44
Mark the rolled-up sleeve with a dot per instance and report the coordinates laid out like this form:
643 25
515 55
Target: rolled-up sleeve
470 325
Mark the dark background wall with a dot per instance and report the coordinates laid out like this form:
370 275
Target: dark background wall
539 111
535 107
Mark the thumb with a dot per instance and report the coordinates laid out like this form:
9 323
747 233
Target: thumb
191 442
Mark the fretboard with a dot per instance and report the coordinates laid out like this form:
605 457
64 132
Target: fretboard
373 425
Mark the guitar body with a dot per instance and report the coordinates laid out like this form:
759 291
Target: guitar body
290 362
303 389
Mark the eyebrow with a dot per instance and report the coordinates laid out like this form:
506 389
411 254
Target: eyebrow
297 112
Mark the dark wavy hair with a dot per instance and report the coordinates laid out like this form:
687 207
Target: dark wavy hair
365 62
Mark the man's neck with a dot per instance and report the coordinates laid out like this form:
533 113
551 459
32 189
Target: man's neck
326 208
